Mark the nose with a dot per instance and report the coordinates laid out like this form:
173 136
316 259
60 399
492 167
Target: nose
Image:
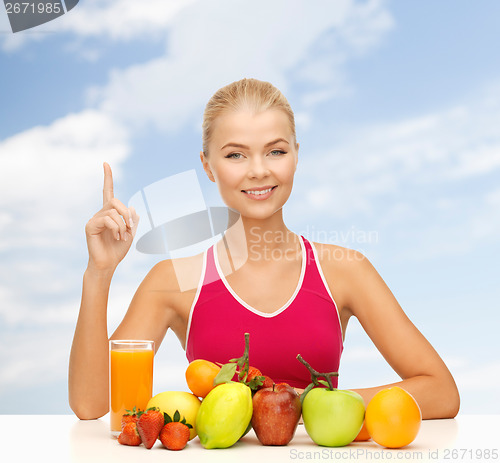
258 168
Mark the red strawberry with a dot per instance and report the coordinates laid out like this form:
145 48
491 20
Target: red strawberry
256 380
149 426
174 435
132 416
252 373
129 435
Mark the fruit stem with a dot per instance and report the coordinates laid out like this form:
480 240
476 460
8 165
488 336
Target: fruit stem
243 362
246 361
315 375
247 346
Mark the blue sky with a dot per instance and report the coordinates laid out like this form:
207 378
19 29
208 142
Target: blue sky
397 107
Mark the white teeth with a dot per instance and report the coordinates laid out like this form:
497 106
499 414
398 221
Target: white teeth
258 193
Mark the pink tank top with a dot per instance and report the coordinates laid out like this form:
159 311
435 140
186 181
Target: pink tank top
308 324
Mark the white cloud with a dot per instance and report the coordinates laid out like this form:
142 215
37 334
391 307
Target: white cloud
240 41
122 20
459 142
477 161
116 20
33 358
47 173
389 173
493 198
50 185
470 375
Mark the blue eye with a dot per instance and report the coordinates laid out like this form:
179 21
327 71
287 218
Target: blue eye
277 152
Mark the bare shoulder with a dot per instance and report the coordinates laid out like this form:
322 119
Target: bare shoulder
334 258
343 268
177 275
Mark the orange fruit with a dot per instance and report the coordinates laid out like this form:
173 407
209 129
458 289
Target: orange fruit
200 376
393 417
363 434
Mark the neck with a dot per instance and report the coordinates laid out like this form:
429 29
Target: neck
259 236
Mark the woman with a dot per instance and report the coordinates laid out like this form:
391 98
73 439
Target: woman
293 296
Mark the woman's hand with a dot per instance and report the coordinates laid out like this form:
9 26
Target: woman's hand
110 231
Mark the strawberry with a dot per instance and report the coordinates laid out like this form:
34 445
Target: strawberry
149 426
176 432
255 379
174 435
252 373
132 416
129 435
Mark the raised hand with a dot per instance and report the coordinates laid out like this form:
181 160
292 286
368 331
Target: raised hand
110 231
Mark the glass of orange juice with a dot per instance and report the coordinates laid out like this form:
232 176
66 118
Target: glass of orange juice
130 378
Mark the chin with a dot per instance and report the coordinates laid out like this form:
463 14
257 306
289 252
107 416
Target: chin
258 210
254 214
259 214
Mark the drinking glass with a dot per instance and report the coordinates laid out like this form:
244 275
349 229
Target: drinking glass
130 378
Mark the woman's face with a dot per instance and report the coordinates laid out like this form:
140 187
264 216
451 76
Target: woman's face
252 158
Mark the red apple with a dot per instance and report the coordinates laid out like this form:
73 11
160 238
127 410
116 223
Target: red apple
276 413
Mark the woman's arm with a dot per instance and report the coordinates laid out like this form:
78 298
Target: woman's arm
148 317
88 364
424 374
109 233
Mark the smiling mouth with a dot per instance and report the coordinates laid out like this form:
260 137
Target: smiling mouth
260 193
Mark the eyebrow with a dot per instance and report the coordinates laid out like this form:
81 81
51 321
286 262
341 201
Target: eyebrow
239 145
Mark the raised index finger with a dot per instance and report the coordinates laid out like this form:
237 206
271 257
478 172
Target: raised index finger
107 191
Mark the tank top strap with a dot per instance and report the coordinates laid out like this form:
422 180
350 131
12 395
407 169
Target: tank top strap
314 279
210 270
311 264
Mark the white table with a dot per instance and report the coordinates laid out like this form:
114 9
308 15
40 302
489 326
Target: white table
65 438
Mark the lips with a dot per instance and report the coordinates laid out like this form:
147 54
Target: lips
260 193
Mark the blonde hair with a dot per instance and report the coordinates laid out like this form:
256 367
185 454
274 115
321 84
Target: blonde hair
250 94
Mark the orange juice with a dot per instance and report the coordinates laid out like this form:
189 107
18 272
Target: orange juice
131 378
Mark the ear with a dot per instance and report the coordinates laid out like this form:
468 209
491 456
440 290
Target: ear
206 167
297 155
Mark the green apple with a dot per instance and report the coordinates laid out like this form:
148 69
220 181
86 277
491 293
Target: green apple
333 418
